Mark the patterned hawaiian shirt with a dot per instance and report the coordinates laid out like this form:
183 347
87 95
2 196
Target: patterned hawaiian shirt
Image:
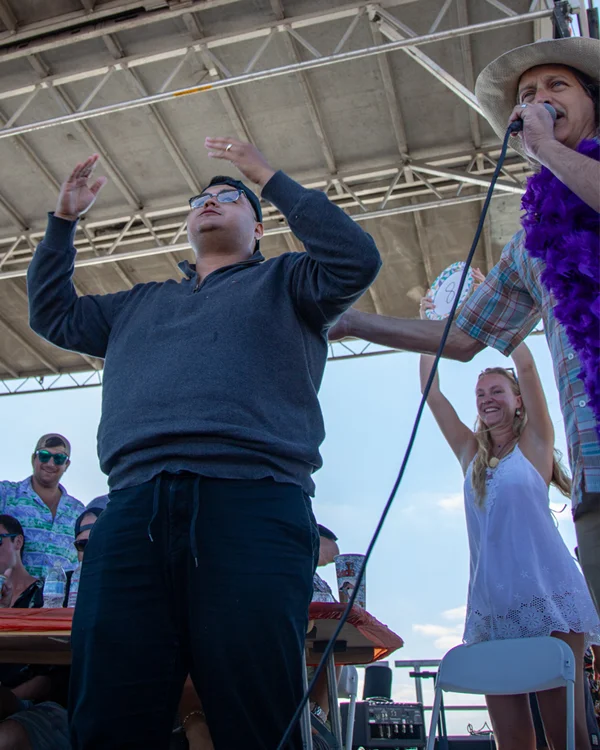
501 313
321 590
46 539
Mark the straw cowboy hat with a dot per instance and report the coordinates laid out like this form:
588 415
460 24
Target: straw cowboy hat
497 85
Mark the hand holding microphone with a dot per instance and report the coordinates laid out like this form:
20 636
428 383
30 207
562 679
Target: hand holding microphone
536 121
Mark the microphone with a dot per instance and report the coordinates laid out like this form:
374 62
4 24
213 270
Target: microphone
517 125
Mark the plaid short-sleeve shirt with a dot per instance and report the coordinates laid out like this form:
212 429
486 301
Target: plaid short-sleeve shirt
47 539
501 313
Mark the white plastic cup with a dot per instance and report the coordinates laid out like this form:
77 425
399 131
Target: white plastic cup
347 569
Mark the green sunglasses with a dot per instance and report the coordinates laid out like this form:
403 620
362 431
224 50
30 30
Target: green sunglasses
59 458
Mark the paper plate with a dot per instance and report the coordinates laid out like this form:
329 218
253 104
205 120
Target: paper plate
444 288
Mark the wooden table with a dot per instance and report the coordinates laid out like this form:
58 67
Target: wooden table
43 636
362 640
35 636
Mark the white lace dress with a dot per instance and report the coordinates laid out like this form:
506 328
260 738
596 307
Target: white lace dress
523 580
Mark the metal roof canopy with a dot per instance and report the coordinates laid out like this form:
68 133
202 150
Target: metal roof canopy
370 102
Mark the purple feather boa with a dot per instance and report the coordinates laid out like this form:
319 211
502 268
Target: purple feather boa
564 232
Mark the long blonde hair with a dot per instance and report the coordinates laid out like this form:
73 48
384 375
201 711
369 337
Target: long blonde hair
560 478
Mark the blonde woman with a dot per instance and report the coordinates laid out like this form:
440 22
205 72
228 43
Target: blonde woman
523 580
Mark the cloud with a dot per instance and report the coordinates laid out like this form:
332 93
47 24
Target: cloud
458 613
451 503
444 637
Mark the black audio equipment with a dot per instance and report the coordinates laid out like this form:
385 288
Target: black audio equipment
378 683
474 742
383 724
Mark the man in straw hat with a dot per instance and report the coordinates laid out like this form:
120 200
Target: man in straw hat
549 269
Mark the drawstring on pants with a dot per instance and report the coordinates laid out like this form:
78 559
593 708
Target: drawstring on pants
196 508
195 511
155 505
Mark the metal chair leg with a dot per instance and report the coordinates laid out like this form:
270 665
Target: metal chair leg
305 727
435 712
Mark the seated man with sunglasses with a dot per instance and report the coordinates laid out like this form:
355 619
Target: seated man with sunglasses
29 720
44 508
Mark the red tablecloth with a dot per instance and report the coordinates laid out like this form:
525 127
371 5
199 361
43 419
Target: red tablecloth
380 638
35 620
364 638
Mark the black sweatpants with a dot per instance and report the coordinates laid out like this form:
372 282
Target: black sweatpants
234 618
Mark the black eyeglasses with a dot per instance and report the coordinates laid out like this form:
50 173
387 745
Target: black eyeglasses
59 458
7 536
225 196
80 544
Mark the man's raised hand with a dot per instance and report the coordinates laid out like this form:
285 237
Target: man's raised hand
76 194
246 157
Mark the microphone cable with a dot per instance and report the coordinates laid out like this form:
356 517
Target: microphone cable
514 127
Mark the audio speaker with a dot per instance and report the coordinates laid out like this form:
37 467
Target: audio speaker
379 724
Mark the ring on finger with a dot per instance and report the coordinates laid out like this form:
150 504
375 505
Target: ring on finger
228 147
523 106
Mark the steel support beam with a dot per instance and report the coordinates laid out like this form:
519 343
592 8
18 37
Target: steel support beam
271 73
8 18
184 246
22 295
394 29
442 12
157 120
67 381
5 367
291 45
78 379
507 187
227 98
467 60
390 95
487 246
381 186
502 8
49 36
424 245
8 328
64 101
16 218
124 275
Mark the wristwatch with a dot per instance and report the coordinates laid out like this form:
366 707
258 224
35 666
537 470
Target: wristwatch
317 711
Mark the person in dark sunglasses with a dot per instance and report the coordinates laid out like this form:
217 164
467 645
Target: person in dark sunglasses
18 589
83 527
44 507
30 719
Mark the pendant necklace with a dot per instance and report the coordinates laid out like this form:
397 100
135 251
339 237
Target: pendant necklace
495 460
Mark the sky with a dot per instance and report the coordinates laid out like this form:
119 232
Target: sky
418 574
417 577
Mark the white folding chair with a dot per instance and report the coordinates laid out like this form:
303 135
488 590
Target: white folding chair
348 688
507 667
